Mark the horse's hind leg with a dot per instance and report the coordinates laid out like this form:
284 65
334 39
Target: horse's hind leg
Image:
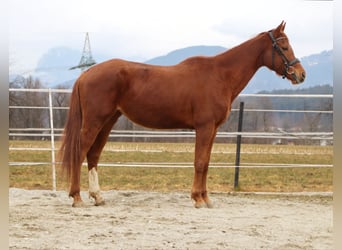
87 138
93 156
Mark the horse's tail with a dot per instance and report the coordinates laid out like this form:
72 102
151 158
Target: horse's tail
70 151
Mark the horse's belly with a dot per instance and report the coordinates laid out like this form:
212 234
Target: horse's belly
157 118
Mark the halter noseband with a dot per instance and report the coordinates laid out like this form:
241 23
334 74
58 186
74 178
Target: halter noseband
287 63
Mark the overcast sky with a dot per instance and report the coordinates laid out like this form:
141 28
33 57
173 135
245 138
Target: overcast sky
143 29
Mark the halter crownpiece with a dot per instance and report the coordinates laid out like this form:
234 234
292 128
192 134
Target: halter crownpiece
287 63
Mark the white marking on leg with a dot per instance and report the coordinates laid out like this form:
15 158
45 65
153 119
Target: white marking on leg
94 186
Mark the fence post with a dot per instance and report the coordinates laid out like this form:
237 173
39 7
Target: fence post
238 146
53 162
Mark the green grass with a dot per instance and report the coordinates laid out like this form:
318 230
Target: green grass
180 179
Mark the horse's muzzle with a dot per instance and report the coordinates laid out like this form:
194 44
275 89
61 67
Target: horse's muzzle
296 76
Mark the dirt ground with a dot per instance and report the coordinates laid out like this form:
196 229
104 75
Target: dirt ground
41 219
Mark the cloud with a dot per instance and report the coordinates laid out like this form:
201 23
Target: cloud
140 30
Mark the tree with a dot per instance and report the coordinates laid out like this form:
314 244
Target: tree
60 102
30 111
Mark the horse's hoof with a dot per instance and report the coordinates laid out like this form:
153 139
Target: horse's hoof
100 202
78 204
209 204
204 204
200 204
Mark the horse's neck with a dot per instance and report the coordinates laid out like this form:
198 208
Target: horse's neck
239 64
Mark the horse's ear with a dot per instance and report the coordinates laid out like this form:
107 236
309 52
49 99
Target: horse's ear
280 28
283 24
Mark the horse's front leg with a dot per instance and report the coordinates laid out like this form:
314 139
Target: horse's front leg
204 140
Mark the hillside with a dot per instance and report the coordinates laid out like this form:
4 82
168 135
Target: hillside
319 69
179 55
53 68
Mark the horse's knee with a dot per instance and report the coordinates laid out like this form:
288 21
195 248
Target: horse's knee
201 166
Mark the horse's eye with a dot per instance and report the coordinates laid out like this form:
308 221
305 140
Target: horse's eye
285 48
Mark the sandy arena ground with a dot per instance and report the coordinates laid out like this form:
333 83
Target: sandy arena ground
151 220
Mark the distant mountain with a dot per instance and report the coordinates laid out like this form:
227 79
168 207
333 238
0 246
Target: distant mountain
179 55
319 69
53 68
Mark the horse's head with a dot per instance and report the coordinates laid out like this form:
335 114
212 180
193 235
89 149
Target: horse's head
280 56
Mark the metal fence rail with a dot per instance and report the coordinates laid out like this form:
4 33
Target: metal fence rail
52 133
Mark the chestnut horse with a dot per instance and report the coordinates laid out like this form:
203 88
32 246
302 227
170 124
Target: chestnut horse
194 94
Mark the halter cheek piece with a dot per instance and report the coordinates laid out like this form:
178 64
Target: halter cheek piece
287 63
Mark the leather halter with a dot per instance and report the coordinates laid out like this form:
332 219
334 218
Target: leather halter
287 63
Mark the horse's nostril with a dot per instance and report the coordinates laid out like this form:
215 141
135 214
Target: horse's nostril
303 75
